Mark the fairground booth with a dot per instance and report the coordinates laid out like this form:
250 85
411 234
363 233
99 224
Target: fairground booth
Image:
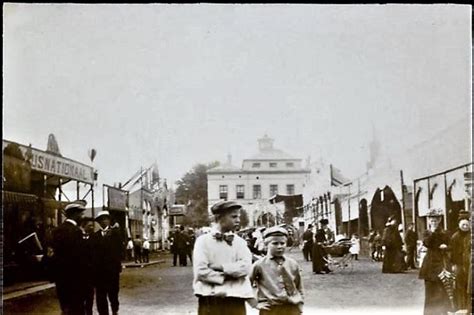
37 185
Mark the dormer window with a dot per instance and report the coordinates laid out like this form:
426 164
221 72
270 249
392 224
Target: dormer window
273 164
255 165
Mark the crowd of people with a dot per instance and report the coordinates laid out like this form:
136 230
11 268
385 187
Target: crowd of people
445 268
82 262
230 271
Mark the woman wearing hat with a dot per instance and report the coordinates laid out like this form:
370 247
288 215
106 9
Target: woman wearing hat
319 254
436 240
393 260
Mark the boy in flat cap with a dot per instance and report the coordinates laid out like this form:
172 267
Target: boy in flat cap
221 264
69 260
107 246
278 278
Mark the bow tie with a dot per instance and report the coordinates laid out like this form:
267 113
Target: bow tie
226 237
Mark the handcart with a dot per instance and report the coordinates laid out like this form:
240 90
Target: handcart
338 255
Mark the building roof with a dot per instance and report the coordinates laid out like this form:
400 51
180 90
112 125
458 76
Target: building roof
224 168
271 154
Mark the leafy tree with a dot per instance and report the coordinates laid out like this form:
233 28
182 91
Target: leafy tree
192 191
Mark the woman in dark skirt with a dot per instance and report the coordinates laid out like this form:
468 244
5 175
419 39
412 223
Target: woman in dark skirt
393 256
436 241
319 263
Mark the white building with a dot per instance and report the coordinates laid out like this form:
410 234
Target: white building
262 176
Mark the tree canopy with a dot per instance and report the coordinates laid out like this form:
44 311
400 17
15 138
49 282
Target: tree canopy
192 191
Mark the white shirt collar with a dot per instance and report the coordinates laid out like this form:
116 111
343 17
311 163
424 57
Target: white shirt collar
72 222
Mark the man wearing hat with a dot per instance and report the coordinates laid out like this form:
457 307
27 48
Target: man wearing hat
68 260
273 270
461 259
221 264
107 252
330 237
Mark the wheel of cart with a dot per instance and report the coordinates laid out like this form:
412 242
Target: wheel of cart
338 255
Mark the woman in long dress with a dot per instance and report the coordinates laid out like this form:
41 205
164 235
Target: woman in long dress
319 263
436 240
393 256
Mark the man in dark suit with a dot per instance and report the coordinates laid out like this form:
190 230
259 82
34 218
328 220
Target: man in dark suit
68 257
107 247
410 242
87 227
308 242
182 243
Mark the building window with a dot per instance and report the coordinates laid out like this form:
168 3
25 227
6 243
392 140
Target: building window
240 191
290 164
223 192
257 192
255 165
273 190
290 189
273 164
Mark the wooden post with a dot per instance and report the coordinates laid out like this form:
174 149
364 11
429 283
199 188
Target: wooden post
92 203
403 202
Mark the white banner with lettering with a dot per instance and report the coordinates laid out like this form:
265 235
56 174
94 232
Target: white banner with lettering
48 163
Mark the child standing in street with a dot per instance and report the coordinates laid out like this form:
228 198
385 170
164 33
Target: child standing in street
355 248
277 278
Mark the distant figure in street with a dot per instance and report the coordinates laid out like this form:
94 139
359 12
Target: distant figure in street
191 241
68 257
108 251
221 265
259 243
378 246
461 259
173 245
355 247
330 237
146 250
436 241
410 243
308 242
137 249
372 244
268 273
181 242
87 227
319 253
130 249
393 260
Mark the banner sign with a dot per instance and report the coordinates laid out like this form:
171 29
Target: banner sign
117 198
48 163
176 210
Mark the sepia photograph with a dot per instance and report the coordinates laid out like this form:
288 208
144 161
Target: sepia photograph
237 159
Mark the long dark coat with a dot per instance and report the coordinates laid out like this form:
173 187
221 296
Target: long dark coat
107 253
461 257
69 267
393 260
319 264
436 299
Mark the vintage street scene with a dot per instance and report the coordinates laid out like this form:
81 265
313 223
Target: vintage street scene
237 159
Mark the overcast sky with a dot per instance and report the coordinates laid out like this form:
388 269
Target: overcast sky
182 84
